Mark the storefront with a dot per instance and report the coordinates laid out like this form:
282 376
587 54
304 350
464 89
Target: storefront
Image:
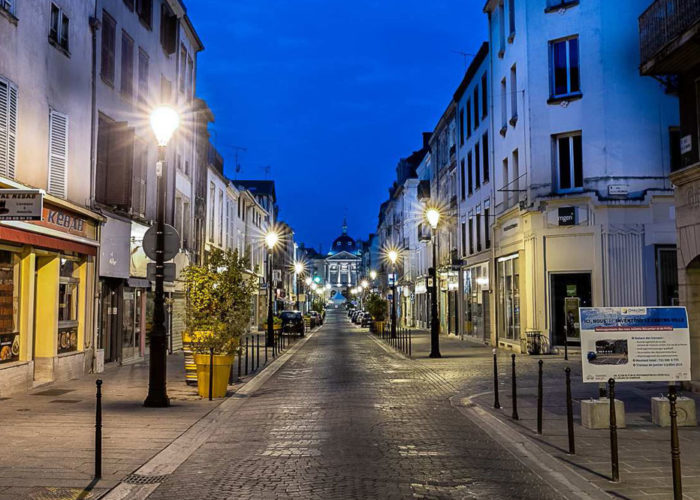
421 304
476 305
47 285
449 302
508 321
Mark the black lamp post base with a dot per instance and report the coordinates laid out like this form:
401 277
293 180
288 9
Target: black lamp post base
157 401
435 355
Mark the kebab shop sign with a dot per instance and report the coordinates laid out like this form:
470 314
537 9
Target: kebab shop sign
635 344
64 221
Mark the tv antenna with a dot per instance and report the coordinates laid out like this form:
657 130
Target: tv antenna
464 55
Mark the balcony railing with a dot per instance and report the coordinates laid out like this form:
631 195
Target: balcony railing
664 21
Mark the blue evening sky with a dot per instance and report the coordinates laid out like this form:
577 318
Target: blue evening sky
330 94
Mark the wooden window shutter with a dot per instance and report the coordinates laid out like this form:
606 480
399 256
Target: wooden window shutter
120 166
58 154
8 129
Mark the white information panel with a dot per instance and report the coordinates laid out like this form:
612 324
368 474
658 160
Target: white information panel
631 344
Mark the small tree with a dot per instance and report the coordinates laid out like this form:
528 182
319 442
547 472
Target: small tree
218 302
376 306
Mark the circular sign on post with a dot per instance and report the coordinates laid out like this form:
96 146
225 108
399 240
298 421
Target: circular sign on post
171 242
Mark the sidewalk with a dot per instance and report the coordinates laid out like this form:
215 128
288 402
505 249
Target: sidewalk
49 446
644 448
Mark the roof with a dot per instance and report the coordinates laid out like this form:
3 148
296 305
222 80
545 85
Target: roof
471 70
265 188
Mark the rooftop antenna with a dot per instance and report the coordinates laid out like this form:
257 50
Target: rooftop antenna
237 149
464 55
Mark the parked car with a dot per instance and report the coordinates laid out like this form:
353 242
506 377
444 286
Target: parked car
367 321
318 320
292 322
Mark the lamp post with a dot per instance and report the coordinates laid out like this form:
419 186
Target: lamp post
164 122
308 282
298 271
271 239
393 257
373 276
433 217
364 284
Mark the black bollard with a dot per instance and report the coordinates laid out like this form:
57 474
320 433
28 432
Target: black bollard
211 372
515 391
240 351
257 354
566 349
98 429
265 353
246 355
613 432
410 344
570 412
675 446
539 397
496 403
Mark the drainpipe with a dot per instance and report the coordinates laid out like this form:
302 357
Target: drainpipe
94 26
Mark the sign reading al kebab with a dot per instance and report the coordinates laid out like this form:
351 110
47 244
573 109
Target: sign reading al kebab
21 204
631 344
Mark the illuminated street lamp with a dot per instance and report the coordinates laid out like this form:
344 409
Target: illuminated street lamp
393 257
271 239
432 215
373 275
164 122
299 269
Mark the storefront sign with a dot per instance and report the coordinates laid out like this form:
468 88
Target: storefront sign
64 221
9 347
21 204
567 216
686 144
631 344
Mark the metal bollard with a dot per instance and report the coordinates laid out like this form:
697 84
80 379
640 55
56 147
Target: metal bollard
570 413
515 391
675 446
613 432
211 372
540 396
240 351
98 429
496 403
410 344
265 353
257 354
246 355
566 349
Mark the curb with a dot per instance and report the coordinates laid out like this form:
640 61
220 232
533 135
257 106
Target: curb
146 479
565 481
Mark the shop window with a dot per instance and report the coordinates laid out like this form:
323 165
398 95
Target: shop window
68 301
9 307
509 298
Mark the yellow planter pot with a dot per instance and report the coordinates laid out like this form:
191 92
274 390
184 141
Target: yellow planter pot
222 370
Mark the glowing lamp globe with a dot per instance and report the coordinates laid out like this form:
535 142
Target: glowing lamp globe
164 122
433 217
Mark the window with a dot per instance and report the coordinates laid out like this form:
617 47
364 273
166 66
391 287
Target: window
504 110
674 141
140 177
564 67
485 156
513 95
58 31
178 162
515 183
484 97
8 5
190 77
144 10
115 163
168 29
58 154
129 4
501 29
554 5
469 118
9 305
8 128
166 89
127 66
212 210
511 19
143 76
569 161
509 297
221 217
178 216
464 238
478 232
187 168
463 180
487 235
471 235
469 173
68 303
506 185
476 107
108 42
461 127
183 67
477 167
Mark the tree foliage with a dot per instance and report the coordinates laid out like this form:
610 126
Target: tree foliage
218 302
376 306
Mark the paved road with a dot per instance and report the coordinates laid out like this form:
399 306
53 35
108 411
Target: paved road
346 419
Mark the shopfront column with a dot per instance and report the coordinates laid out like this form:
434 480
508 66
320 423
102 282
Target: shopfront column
26 315
46 316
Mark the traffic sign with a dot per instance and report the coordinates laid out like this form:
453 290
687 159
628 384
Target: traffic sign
171 242
168 271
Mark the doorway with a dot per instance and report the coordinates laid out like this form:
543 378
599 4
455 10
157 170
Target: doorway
568 292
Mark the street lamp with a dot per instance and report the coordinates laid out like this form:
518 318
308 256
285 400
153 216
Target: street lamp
432 215
393 257
164 122
271 239
299 269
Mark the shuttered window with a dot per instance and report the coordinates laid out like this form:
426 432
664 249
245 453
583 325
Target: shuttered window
8 128
58 153
108 43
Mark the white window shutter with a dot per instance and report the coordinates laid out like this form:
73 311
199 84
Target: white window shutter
58 154
12 134
8 128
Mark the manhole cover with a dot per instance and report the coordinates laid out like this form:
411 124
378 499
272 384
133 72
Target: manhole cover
43 493
141 479
53 392
67 401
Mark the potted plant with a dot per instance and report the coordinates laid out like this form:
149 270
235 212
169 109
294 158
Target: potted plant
217 315
376 306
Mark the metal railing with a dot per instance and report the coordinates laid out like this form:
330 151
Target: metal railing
664 21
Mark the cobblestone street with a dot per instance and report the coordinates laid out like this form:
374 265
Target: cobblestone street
344 418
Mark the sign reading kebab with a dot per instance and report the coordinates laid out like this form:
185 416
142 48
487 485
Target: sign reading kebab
630 344
21 204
